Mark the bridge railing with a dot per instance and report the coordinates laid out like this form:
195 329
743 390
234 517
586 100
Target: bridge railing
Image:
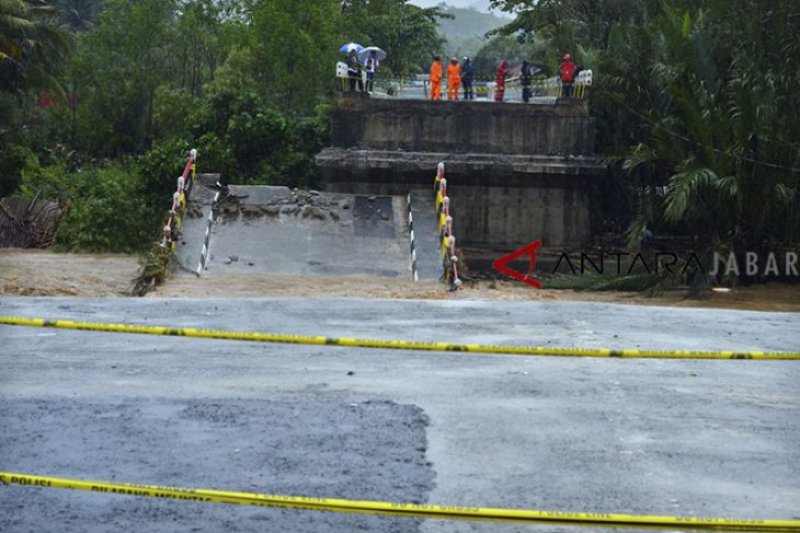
174 219
445 224
156 263
580 88
544 91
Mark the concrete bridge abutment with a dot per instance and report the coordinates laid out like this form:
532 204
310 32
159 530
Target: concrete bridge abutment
516 173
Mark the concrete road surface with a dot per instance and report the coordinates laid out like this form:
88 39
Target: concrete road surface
693 438
278 230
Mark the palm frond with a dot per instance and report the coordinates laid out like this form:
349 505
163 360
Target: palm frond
641 155
682 188
729 185
786 194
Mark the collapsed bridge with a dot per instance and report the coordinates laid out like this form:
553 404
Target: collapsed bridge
279 230
521 173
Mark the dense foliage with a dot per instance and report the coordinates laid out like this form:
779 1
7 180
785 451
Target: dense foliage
98 91
407 33
106 206
697 107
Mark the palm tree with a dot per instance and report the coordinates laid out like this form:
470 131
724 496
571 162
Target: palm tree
712 88
699 97
32 48
79 15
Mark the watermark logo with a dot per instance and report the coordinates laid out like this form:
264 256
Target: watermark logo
749 264
501 265
755 265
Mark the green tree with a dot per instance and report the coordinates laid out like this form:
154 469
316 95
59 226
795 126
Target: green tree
407 33
201 43
13 162
79 15
696 98
108 211
570 23
32 48
244 136
294 51
721 144
117 71
496 50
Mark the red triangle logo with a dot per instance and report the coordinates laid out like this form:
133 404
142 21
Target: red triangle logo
501 264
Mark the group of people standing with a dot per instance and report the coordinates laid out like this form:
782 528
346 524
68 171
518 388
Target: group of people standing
457 76
460 76
463 74
354 68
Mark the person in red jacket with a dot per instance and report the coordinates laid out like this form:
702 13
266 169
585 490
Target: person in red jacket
500 81
567 69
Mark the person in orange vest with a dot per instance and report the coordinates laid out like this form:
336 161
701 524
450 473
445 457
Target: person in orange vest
500 81
567 69
436 78
453 79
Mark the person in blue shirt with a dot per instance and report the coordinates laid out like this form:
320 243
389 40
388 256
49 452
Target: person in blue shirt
467 74
525 79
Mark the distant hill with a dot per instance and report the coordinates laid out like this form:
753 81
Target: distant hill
465 33
478 5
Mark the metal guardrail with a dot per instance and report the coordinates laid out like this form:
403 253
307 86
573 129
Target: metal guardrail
544 91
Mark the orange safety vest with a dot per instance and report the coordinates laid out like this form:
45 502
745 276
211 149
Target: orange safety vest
436 72
453 74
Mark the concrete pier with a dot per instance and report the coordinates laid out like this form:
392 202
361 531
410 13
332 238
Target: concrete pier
516 173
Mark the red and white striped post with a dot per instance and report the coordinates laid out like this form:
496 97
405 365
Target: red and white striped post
439 176
454 262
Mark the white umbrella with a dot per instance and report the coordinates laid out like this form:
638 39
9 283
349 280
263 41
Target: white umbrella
365 53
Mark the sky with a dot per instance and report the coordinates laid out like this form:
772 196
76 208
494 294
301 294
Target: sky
480 5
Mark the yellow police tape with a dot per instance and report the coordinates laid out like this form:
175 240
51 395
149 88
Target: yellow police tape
405 509
395 344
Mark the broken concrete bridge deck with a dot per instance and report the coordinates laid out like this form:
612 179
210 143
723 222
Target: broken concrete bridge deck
288 231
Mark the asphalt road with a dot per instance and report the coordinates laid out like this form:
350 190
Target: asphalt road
702 438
